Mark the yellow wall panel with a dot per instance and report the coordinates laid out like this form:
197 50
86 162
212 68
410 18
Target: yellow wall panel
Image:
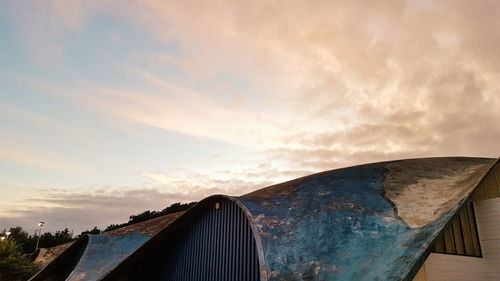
421 276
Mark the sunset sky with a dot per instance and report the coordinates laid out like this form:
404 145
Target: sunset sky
109 108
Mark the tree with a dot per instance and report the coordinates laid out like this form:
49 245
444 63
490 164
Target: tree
22 238
47 239
94 230
14 265
63 236
18 234
146 215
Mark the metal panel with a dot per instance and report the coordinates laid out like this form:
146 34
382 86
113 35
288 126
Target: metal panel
496 171
217 245
460 236
449 241
480 193
338 225
489 187
60 268
93 256
473 229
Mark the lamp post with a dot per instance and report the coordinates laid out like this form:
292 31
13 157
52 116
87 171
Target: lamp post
40 224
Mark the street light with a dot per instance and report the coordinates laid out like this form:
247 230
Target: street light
40 224
6 236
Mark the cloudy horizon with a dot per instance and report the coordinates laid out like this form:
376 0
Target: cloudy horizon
109 108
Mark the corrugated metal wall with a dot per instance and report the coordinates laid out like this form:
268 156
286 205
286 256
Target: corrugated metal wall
217 246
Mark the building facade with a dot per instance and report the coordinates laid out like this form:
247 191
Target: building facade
416 219
456 259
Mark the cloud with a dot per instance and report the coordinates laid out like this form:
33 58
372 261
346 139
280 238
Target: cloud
308 86
101 206
61 208
39 159
38 119
41 26
16 145
319 69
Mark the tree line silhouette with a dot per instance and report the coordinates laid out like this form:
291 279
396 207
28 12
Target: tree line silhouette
27 242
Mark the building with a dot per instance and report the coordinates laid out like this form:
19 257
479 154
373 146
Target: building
90 257
418 219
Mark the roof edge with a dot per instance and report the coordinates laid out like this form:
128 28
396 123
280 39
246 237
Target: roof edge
420 260
79 245
141 253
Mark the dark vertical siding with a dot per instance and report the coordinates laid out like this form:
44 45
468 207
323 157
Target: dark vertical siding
489 187
460 236
217 246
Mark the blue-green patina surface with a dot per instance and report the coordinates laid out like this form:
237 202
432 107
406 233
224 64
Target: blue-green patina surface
103 253
338 225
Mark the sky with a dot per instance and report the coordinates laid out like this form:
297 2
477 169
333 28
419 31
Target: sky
109 108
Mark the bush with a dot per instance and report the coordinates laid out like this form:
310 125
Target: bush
14 265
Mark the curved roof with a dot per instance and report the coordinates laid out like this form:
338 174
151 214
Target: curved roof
93 256
368 222
44 256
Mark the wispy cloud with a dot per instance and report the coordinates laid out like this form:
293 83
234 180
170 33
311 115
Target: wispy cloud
305 86
41 159
101 206
38 119
177 108
314 72
61 208
17 146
